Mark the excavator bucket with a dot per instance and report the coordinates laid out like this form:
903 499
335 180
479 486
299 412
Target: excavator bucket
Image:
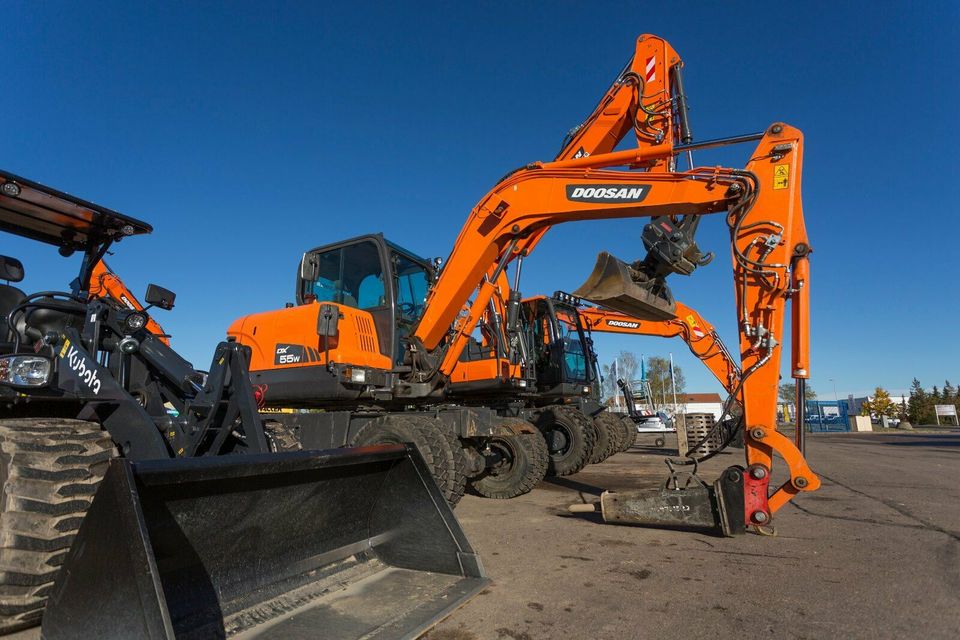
333 544
611 286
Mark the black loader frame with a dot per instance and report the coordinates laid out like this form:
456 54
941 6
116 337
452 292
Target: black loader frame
109 438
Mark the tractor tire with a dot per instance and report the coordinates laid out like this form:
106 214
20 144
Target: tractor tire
49 472
523 465
570 439
609 437
629 433
456 458
396 429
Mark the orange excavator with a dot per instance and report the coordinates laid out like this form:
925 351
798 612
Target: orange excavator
378 332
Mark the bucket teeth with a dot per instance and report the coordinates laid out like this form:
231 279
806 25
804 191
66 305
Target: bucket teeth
611 285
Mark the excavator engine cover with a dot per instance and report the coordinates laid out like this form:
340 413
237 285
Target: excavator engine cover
333 544
611 285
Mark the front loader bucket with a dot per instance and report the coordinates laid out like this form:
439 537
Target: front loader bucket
611 286
317 544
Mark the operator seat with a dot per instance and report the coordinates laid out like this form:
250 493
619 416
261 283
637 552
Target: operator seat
11 270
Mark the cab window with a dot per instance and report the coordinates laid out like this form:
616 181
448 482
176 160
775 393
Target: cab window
412 282
352 276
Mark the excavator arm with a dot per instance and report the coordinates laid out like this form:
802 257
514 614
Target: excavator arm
769 248
697 333
104 283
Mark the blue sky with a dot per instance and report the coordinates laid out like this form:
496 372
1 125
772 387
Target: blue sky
248 132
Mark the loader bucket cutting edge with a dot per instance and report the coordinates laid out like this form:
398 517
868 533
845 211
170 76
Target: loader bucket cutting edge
610 285
334 544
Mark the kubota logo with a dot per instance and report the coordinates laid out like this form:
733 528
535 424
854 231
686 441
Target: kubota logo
623 324
607 192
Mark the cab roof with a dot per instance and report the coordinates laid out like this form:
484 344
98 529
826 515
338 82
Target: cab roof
38 212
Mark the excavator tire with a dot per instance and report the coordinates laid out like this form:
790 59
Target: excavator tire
433 447
523 465
609 437
49 473
456 459
570 437
280 437
629 433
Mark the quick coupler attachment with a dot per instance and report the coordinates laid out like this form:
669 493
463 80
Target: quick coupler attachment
692 505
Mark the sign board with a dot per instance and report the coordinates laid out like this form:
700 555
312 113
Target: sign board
830 411
947 411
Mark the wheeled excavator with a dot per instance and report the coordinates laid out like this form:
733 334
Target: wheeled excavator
378 333
141 497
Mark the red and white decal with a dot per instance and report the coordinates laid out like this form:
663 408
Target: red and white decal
651 68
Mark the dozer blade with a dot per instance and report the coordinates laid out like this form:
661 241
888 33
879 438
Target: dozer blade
316 544
611 286
718 509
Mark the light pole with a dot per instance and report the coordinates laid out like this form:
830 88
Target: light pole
835 397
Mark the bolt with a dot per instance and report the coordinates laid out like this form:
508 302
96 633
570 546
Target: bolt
759 517
800 482
757 434
777 128
758 473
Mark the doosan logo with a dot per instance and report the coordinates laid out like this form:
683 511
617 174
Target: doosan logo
623 324
607 192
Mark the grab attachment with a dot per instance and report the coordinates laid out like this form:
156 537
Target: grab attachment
686 502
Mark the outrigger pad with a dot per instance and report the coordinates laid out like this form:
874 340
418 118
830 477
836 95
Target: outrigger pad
610 285
335 544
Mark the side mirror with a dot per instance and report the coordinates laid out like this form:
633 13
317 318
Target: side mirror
11 269
310 267
157 296
328 320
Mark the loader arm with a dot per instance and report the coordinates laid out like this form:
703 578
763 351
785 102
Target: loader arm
697 333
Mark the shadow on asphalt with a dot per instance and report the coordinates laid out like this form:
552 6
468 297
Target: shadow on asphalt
579 487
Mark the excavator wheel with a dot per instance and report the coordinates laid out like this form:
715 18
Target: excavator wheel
456 458
280 437
519 464
609 437
570 437
49 473
433 447
629 432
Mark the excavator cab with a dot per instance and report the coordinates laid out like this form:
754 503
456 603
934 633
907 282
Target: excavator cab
371 274
562 350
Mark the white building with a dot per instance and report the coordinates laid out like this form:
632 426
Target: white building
702 403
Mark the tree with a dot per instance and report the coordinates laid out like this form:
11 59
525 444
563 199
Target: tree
788 393
880 405
920 406
949 392
624 368
658 375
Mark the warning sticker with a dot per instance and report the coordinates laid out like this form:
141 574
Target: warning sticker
781 176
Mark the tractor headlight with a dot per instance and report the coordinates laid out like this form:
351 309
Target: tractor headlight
586 391
135 321
522 383
25 371
358 375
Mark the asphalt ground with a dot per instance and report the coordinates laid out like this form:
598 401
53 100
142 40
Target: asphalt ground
875 553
